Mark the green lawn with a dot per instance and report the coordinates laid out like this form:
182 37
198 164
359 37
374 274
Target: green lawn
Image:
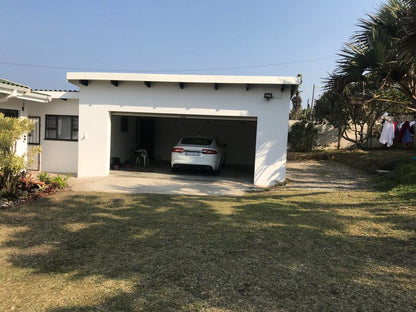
281 250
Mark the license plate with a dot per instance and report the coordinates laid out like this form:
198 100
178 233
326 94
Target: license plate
192 153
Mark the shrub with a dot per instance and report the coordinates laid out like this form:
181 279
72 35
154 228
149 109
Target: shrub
405 173
302 136
44 177
59 181
12 166
55 182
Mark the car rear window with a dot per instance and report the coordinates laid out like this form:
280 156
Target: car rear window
197 141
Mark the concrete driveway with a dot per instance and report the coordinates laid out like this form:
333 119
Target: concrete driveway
231 182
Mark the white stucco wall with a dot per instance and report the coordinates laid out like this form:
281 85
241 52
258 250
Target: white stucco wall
56 156
99 99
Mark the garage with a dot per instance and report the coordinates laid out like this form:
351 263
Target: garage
249 114
157 134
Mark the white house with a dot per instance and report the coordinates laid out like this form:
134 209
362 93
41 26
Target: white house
16 100
80 132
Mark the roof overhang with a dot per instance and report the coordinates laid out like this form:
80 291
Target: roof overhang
82 78
9 90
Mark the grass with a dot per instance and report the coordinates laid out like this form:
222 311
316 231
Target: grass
282 250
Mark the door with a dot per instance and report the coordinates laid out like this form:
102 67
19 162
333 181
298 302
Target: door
34 144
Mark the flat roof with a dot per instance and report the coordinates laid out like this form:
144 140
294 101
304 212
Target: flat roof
74 77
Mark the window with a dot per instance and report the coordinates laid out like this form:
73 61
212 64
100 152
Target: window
9 112
197 141
63 128
34 135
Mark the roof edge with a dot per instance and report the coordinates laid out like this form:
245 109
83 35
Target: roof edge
61 94
74 78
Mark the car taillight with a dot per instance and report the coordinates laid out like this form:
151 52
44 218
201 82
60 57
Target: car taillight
177 150
209 151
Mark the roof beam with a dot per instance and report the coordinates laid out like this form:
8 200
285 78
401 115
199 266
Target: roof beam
115 83
148 84
83 82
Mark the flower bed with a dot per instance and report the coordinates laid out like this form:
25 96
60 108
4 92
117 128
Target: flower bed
30 187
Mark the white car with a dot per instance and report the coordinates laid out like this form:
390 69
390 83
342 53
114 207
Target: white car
202 152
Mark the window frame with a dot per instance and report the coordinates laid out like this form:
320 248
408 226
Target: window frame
13 113
72 129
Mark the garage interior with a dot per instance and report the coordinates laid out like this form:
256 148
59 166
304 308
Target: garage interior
158 134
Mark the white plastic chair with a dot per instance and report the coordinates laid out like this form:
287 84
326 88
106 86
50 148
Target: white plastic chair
142 156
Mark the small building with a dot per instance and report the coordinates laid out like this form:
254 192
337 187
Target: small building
81 131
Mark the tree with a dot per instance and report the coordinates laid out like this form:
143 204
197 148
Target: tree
302 136
331 107
11 166
355 110
296 111
407 45
383 49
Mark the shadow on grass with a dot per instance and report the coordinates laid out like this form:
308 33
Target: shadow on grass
289 252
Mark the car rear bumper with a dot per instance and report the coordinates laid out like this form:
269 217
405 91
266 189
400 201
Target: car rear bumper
195 161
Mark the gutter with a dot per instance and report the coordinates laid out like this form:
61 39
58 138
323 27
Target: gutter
23 94
8 97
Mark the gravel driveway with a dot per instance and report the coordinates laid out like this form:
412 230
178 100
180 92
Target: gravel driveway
329 176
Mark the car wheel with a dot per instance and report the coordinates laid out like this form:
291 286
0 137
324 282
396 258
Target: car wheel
174 169
216 172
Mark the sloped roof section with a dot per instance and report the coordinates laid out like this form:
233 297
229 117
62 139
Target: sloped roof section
12 89
13 84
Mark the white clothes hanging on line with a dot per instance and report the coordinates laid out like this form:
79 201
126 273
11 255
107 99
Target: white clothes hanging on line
387 134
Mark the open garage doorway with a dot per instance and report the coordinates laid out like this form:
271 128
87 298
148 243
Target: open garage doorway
157 134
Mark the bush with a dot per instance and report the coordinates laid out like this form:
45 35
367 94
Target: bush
405 173
55 182
44 177
302 136
12 166
60 181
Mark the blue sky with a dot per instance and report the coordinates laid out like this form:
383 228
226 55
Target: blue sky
183 37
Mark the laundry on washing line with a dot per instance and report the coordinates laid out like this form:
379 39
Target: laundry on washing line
402 131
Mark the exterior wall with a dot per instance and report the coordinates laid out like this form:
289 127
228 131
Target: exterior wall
56 156
99 99
327 137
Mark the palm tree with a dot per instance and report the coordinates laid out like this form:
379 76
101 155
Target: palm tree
383 49
408 42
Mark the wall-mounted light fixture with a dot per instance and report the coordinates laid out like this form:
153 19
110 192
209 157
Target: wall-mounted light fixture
268 96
